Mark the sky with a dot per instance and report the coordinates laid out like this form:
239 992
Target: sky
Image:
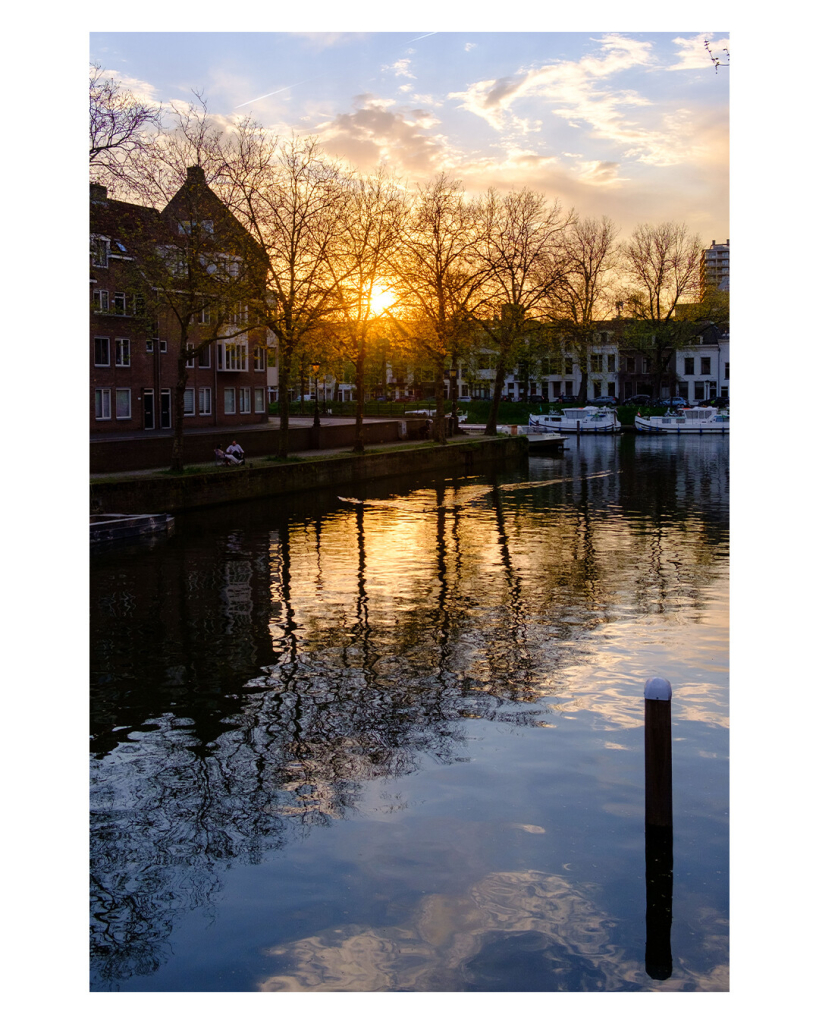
633 125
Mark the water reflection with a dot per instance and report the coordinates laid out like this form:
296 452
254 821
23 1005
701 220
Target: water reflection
251 678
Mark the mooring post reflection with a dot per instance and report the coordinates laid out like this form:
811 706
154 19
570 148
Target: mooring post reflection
659 826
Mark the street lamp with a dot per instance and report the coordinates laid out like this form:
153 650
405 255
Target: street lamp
316 421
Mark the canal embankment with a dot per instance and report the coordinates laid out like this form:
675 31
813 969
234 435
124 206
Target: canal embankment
202 486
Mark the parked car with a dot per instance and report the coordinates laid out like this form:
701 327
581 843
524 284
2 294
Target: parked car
676 402
603 400
639 400
717 403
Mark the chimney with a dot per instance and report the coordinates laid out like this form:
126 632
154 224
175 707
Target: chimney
196 176
99 193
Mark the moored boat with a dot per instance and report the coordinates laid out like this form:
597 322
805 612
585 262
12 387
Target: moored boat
702 420
588 420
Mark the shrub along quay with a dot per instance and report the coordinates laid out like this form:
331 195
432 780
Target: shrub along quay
199 488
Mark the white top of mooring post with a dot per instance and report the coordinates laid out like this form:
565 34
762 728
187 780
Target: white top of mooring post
658 688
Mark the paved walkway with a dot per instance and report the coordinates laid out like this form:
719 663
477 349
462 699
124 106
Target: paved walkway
301 455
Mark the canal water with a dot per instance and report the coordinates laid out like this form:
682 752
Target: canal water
392 740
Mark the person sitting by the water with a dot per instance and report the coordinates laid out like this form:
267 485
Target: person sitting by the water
236 450
224 458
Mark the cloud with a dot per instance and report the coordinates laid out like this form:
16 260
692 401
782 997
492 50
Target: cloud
470 46
582 94
400 67
692 53
373 134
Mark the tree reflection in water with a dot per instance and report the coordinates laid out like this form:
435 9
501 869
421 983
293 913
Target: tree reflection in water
247 681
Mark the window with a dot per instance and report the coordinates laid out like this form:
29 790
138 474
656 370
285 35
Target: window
259 360
203 317
123 352
231 355
102 403
682 390
258 400
163 346
189 362
99 252
568 366
689 366
204 402
149 345
190 397
101 301
244 399
699 390
604 338
230 400
630 364
556 388
204 358
123 403
102 352
646 365
596 361
705 364
611 389
120 303
612 362
727 371
598 391
568 387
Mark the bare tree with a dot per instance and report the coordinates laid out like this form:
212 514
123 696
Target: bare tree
291 199
437 277
717 61
374 213
520 256
584 295
196 269
120 126
661 265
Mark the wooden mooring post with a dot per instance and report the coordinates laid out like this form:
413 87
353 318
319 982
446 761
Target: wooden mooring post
658 828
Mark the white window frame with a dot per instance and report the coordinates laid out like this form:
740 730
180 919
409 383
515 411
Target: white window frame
204 358
101 300
102 402
244 401
123 309
189 402
258 400
149 345
205 407
705 366
163 346
259 358
231 392
190 362
123 391
231 356
107 351
122 352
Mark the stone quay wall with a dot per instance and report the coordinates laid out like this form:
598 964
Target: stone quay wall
220 486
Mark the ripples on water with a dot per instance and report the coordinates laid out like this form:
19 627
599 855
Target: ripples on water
394 742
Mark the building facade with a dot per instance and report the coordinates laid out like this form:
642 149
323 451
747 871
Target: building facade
135 338
715 268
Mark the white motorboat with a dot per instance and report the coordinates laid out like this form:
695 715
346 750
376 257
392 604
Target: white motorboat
702 420
589 420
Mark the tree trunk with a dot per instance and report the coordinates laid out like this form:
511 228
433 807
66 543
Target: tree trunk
497 391
440 422
284 401
583 394
453 394
358 441
177 456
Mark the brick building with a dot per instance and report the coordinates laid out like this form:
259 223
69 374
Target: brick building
156 286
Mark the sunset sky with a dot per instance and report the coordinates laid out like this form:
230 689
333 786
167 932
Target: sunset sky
629 124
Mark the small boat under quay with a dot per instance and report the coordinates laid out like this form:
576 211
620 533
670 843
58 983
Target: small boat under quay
588 420
702 420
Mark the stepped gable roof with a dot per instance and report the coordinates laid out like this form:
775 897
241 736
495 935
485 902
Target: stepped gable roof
196 201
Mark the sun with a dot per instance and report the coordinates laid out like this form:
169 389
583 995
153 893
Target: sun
381 299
